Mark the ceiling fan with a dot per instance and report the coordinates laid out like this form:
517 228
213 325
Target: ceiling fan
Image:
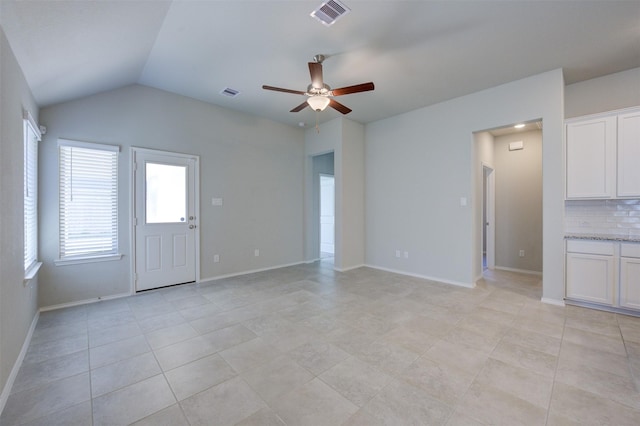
320 95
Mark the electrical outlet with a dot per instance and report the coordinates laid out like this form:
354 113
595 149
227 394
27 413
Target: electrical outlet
398 253
406 254
216 258
521 253
256 252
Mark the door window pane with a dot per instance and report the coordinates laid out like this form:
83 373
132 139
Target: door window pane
166 198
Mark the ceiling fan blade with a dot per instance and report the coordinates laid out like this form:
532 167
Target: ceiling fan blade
364 87
300 107
339 107
315 69
280 89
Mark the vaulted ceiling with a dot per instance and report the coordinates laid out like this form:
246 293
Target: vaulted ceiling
417 53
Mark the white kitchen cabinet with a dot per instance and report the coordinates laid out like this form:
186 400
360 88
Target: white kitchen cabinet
591 275
628 148
602 156
591 158
630 276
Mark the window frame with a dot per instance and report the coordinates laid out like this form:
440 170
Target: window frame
87 255
31 136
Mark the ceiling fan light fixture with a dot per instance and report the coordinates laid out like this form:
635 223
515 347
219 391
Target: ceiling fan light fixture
318 103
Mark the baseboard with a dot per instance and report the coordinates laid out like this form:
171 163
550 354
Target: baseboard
350 268
520 271
16 366
252 271
83 302
550 301
409 274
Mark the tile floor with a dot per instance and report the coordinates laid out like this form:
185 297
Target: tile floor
305 345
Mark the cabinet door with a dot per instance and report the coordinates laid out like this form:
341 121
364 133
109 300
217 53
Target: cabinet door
629 155
630 283
590 278
591 161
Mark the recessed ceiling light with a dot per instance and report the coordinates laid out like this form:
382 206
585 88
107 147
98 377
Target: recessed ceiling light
519 126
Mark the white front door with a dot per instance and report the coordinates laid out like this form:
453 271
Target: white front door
165 222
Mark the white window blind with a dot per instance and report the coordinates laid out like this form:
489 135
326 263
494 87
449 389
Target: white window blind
88 199
31 137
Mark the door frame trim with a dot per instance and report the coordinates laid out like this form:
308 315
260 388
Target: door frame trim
490 208
132 207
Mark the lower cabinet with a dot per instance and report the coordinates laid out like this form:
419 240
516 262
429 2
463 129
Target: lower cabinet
591 273
603 273
630 276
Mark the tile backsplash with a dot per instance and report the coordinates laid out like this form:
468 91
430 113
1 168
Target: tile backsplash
608 217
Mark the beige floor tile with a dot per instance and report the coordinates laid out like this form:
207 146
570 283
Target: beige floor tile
532 340
117 351
133 402
519 382
170 335
277 377
249 355
37 374
401 403
225 404
76 415
314 403
594 340
32 404
198 375
464 358
228 337
263 417
318 356
531 359
492 406
572 354
441 381
184 352
123 373
602 383
586 408
316 344
355 380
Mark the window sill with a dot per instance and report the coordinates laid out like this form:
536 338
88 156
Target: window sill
88 259
31 272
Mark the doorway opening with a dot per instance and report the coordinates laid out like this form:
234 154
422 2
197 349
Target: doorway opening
323 240
509 207
327 216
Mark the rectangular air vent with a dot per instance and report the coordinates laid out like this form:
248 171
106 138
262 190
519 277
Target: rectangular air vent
227 91
330 11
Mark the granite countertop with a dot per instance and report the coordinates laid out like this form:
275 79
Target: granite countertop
603 237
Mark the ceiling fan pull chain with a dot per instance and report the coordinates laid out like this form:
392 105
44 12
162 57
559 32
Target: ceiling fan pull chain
317 128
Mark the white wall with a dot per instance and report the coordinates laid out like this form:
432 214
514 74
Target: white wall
483 155
613 91
18 302
345 139
419 165
254 164
518 181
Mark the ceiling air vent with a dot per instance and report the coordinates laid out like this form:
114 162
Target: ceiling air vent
330 11
227 91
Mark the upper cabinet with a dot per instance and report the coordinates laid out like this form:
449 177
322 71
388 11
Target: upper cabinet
629 154
603 153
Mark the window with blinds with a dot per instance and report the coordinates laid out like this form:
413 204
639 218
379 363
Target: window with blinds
88 200
31 138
